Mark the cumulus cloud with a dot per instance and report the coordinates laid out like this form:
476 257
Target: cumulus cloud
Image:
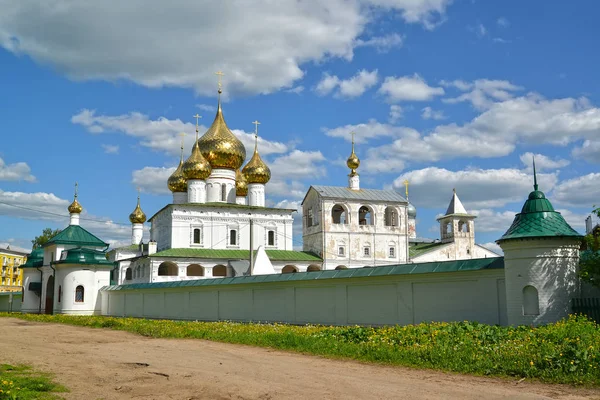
382 44
581 191
111 148
588 151
298 164
152 179
489 220
15 172
542 162
429 113
367 131
261 57
349 88
396 113
482 93
163 134
408 88
477 188
492 246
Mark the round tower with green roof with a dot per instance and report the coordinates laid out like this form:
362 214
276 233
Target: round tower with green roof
541 257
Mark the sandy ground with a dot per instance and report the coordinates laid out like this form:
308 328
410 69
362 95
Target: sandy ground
106 364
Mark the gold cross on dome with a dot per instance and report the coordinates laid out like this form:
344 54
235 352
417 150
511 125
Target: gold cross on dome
406 186
256 124
219 74
139 190
76 189
352 133
197 118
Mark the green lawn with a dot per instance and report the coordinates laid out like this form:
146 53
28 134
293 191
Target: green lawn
563 352
20 382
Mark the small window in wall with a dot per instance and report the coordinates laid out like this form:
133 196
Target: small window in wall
309 218
223 192
59 293
196 238
79 294
128 274
367 251
392 252
531 301
341 251
232 237
271 238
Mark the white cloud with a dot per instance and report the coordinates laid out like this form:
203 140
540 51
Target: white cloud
396 113
365 132
503 22
15 172
207 107
588 151
429 113
479 30
11 243
296 90
110 148
152 179
382 44
298 164
48 207
500 40
579 192
259 57
477 188
164 134
489 220
349 88
291 189
482 93
408 88
492 246
542 162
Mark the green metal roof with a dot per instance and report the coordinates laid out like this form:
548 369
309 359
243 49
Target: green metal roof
35 259
131 247
223 205
76 235
84 256
274 255
538 219
422 248
390 270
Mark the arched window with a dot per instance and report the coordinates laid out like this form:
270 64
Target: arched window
531 301
463 226
128 274
197 236
339 267
195 270
448 228
223 192
341 251
365 216
219 270
289 269
339 214
79 294
232 237
168 268
391 217
59 293
271 238
313 268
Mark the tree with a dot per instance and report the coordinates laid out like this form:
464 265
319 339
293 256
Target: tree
46 235
589 264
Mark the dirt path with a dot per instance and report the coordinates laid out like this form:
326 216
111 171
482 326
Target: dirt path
105 364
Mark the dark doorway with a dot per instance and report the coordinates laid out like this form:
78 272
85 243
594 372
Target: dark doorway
50 295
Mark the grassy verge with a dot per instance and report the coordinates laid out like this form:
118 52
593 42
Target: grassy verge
564 352
20 382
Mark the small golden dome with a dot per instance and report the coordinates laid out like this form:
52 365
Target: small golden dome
220 147
196 166
176 181
75 207
353 161
256 171
241 186
137 216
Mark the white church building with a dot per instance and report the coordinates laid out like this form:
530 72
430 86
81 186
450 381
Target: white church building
218 252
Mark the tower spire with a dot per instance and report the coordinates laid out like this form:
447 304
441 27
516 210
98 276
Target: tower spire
535 184
406 188
220 86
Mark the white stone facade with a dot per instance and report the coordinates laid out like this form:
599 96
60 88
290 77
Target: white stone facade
220 186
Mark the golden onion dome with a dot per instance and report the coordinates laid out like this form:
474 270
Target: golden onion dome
75 207
256 171
196 166
219 145
176 181
353 162
137 216
241 186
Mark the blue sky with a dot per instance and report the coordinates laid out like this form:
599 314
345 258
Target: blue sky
447 94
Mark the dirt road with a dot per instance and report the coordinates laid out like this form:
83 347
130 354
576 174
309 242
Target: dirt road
105 364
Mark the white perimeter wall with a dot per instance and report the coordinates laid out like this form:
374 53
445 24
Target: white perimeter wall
400 299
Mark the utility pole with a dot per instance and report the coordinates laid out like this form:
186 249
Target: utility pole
251 246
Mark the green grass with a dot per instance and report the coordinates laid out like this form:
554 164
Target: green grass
563 352
20 382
